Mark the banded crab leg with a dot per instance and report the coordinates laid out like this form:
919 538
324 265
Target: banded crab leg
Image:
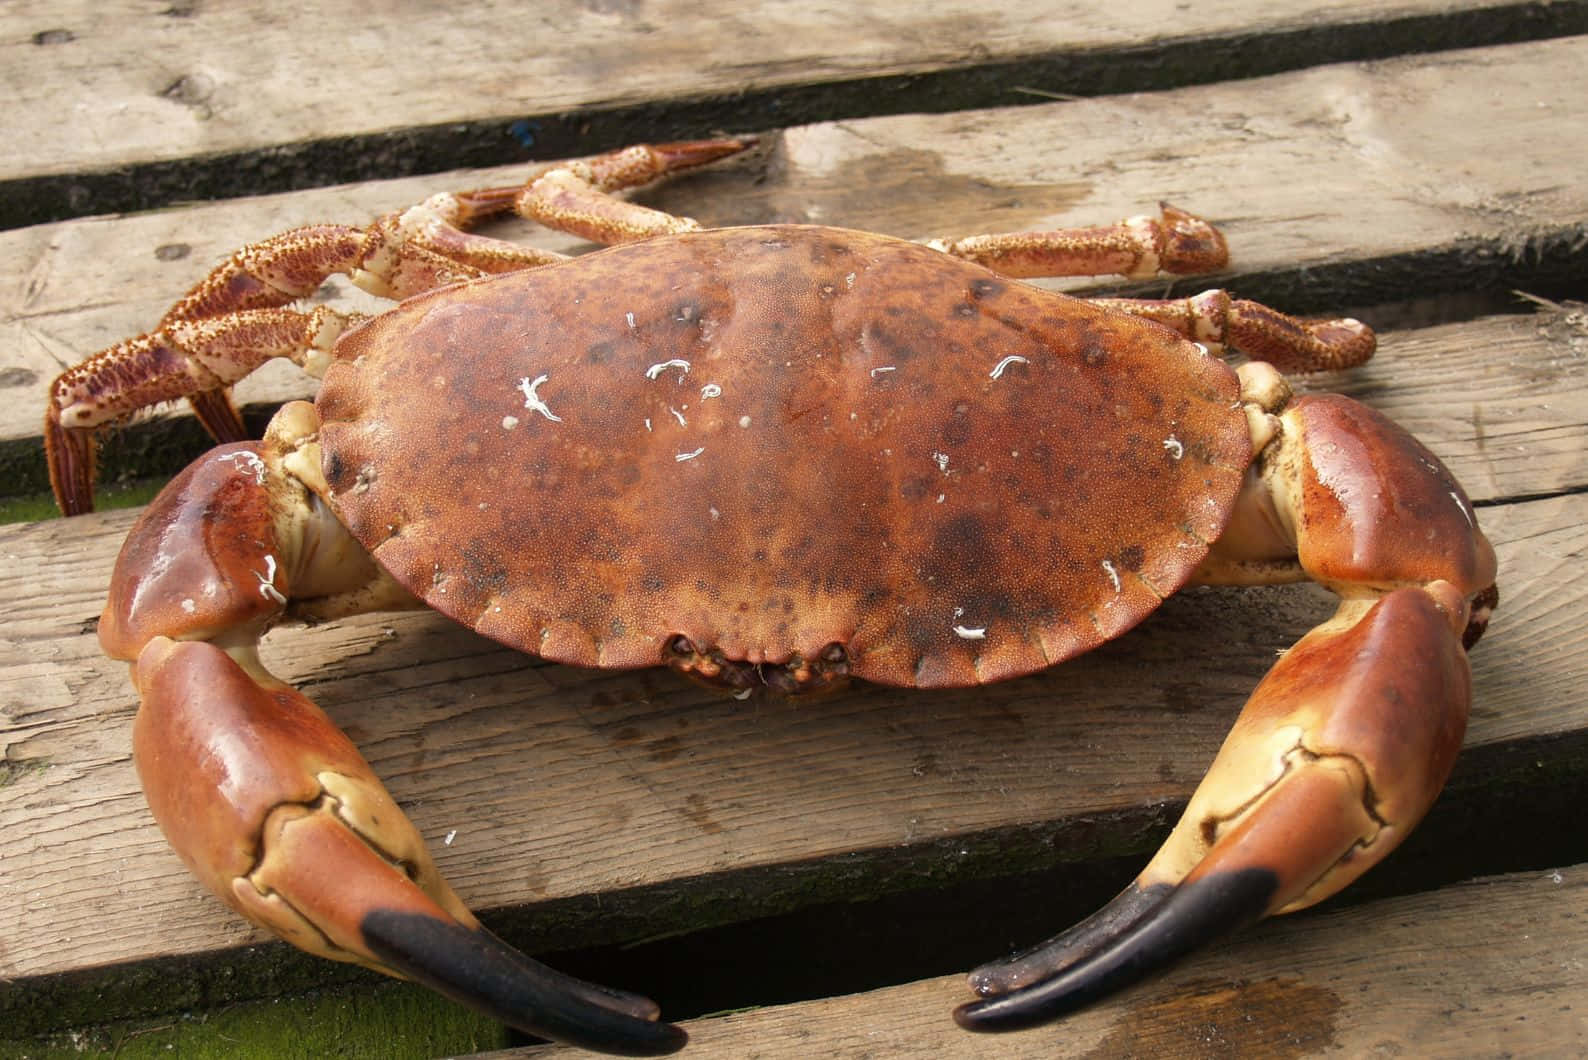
1180 243
266 800
401 254
1343 746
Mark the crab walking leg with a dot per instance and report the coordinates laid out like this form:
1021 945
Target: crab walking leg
1346 743
403 253
1291 344
1139 247
269 804
576 196
183 358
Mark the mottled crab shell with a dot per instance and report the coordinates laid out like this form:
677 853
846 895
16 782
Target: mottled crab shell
774 441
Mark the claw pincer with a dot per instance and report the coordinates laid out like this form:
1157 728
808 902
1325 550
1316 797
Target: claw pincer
267 801
1343 746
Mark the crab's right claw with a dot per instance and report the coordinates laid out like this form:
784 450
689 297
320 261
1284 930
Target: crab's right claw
275 811
1336 757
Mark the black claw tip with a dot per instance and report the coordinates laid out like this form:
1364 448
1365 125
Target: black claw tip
477 969
1190 917
1069 947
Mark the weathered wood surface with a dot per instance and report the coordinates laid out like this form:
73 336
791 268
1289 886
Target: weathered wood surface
1353 184
1508 209
117 106
1493 967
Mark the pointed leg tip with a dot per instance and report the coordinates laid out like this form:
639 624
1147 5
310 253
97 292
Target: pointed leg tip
688 153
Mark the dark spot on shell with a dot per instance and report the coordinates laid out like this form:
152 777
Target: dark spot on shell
965 309
1093 351
961 535
913 489
986 289
598 353
957 430
1131 557
337 471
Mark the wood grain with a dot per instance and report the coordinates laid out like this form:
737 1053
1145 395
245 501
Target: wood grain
104 86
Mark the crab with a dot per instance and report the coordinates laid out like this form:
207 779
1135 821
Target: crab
781 456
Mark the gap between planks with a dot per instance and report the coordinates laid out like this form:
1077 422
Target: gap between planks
1492 967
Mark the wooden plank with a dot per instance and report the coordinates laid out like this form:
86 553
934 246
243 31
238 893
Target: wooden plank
742 799
105 90
1488 968
1322 171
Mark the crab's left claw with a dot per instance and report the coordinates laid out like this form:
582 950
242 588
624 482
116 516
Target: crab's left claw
1337 756
275 811
1346 743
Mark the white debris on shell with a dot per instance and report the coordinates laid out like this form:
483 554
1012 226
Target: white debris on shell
1113 575
246 462
1175 449
1013 358
679 416
188 606
630 318
533 400
881 368
710 390
681 457
661 366
509 422
941 459
967 632
267 581
744 421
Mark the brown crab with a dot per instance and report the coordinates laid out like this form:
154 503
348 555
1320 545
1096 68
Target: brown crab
781 455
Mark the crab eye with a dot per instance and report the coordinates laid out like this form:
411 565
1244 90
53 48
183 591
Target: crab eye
681 646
